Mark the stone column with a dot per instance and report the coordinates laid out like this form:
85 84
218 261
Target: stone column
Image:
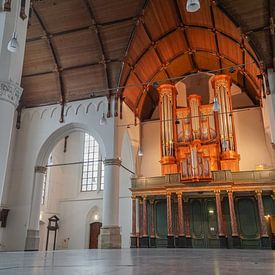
145 237
233 221
140 218
182 239
134 223
186 214
263 226
170 237
220 220
32 239
152 224
10 78
110 232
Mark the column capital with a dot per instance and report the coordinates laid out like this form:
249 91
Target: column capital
40 169
133 197
10 92
179 194
109 162
259 192
217 192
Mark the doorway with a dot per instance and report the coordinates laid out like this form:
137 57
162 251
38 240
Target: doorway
204 226
94 233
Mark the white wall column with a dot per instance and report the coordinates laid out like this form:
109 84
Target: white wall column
110 236
10 78
32 239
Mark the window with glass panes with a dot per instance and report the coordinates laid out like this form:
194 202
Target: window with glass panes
93 168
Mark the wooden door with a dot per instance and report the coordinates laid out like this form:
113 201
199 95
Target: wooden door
94 233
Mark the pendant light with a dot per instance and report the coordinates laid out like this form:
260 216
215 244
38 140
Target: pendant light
193 5
13 44
216 105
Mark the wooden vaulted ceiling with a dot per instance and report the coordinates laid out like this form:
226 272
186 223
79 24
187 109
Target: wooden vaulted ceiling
81 48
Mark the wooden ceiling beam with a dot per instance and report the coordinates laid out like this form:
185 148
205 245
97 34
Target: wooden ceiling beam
272 31
72 68
57 64
213 20
183 23
103 54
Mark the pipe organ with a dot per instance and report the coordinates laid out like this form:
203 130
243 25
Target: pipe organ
198 139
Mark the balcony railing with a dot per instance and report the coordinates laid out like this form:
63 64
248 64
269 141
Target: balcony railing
261 176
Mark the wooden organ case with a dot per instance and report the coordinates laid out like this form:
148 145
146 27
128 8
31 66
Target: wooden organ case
198 139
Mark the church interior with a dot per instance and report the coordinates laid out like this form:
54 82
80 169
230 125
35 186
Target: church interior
134 124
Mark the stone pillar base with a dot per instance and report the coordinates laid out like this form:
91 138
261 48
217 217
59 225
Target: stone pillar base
265 242
170 241
144 242
236 242
133 242
32 240
109 237
189 242
153 242
182 242
223 242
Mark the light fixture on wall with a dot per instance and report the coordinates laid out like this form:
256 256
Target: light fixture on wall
216 105
140 152
13 44
96 217
103 120
193 5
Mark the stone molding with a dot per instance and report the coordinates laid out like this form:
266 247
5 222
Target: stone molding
108 162
10 92
40 169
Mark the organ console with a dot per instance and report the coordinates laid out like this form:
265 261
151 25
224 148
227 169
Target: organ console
198 139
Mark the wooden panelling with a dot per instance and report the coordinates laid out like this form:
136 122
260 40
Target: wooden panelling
80 83
114 44
77 48
180 66
63 15
139 44
206 61
160 17
148 65
230 49
225 25
172 45
200 18
113 69
110 10
201 39
38 58
42 88
34 30
132 92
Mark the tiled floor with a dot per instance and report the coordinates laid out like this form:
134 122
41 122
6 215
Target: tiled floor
141 261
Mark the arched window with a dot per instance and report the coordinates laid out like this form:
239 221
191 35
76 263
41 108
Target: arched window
93 168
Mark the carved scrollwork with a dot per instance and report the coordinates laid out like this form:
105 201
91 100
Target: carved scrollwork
10 92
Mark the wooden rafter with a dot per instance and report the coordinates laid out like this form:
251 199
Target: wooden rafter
57 64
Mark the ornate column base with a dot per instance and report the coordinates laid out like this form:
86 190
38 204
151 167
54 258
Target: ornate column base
153 242
144 242
236 242
181 242
189 242
32 240
265 242
109 237
170 241
223 242
133 242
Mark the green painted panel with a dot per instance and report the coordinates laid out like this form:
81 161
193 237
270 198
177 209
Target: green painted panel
247 218
161 219
196 220
268 205
212 225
